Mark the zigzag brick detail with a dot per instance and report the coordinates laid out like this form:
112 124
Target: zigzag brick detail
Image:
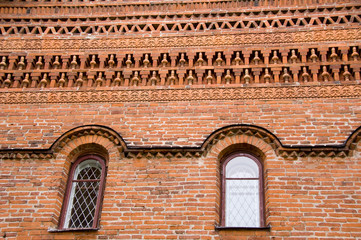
288 152
192 94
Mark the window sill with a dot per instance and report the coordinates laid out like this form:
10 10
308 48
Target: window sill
55 230
267 228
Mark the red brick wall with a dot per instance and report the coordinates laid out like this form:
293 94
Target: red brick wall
301 121
178 198
74 80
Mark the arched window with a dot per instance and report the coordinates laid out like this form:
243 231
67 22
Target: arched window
84 194
242 191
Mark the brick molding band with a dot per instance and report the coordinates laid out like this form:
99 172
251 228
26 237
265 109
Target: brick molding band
352 34
189 94
285 151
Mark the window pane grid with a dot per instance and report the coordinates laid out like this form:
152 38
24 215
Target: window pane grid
89 173
85 183
242 203
84 204
242 192
86 180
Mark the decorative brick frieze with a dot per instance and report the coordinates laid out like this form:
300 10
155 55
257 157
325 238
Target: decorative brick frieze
270 66
114 43
230 21
76 7
21 154
185 45
180 94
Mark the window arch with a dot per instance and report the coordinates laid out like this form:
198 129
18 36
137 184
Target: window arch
242 191
84 193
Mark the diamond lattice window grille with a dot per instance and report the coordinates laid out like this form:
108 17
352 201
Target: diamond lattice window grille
242 193
84 194
84 204
89 173
242 203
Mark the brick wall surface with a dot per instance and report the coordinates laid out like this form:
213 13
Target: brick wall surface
178 198
186 123
164 91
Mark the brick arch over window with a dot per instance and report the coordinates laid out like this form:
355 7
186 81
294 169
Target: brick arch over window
259 148
262 135
103 143
97 134
255 136
242 199
84 194
251 141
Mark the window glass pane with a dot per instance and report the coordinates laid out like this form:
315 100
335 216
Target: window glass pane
83 204
89 173
89 169
242 167
242 203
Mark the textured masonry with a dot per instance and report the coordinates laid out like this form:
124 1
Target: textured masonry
163 91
